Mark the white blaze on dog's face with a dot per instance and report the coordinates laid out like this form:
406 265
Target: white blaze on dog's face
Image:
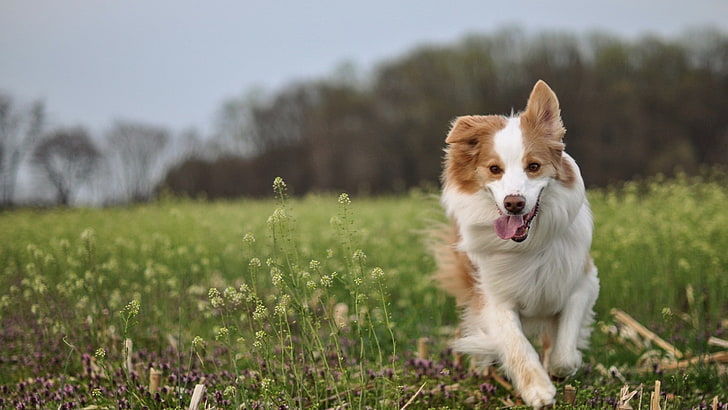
513 158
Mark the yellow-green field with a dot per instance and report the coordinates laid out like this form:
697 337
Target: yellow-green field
323 302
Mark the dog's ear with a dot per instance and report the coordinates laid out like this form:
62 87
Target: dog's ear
543 114
462 131
469 129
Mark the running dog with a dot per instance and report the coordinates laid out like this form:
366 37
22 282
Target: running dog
516 256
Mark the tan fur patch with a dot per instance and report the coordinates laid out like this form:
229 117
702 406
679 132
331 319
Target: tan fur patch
545 348
567 174
589 265
543 131
470 149
456 271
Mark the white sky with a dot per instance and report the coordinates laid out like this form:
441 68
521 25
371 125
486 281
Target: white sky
173 62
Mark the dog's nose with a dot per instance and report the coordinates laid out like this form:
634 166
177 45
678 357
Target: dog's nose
514 203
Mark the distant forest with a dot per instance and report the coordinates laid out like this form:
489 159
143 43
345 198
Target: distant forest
631 108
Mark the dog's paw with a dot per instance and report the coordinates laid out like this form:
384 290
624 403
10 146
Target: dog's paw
539 394
565 364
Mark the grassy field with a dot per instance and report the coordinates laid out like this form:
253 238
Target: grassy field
326 301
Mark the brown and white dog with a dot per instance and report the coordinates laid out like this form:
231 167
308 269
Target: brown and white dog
517 260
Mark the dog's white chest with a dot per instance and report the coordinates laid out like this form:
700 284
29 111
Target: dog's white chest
540 300
535 284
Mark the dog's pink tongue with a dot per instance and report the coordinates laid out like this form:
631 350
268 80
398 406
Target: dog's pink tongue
507 225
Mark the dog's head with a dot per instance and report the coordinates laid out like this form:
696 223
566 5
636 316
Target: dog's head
511 158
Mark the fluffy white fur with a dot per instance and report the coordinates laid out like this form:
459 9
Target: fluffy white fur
545 285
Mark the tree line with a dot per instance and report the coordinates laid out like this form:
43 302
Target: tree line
632 107
124 165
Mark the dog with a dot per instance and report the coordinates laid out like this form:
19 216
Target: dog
516 257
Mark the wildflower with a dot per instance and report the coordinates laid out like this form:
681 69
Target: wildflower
326 281
359 256
259 338
311 284
245 290
88 235
132 308
249 238
100 353
282 305
216 299
38 285
314 265
344 199
260 312
377 273
198 343
233 296
230 391
254 263
222 333
96 393
278 216
276 276
279 185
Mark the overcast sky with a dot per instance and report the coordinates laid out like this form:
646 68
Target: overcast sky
173 62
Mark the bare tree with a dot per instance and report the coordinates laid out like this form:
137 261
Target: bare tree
255 124
137 150
19 132
235 126
68 156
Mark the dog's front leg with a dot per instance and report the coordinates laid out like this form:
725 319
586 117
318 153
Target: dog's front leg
573 327
499 333
520 360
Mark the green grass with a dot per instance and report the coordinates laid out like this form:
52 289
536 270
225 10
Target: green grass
321 301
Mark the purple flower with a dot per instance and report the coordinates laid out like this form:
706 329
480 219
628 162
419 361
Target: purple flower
487 388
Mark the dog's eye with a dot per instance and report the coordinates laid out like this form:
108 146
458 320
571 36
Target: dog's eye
495 169
534 167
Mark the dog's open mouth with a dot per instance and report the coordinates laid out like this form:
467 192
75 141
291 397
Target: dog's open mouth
515 227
